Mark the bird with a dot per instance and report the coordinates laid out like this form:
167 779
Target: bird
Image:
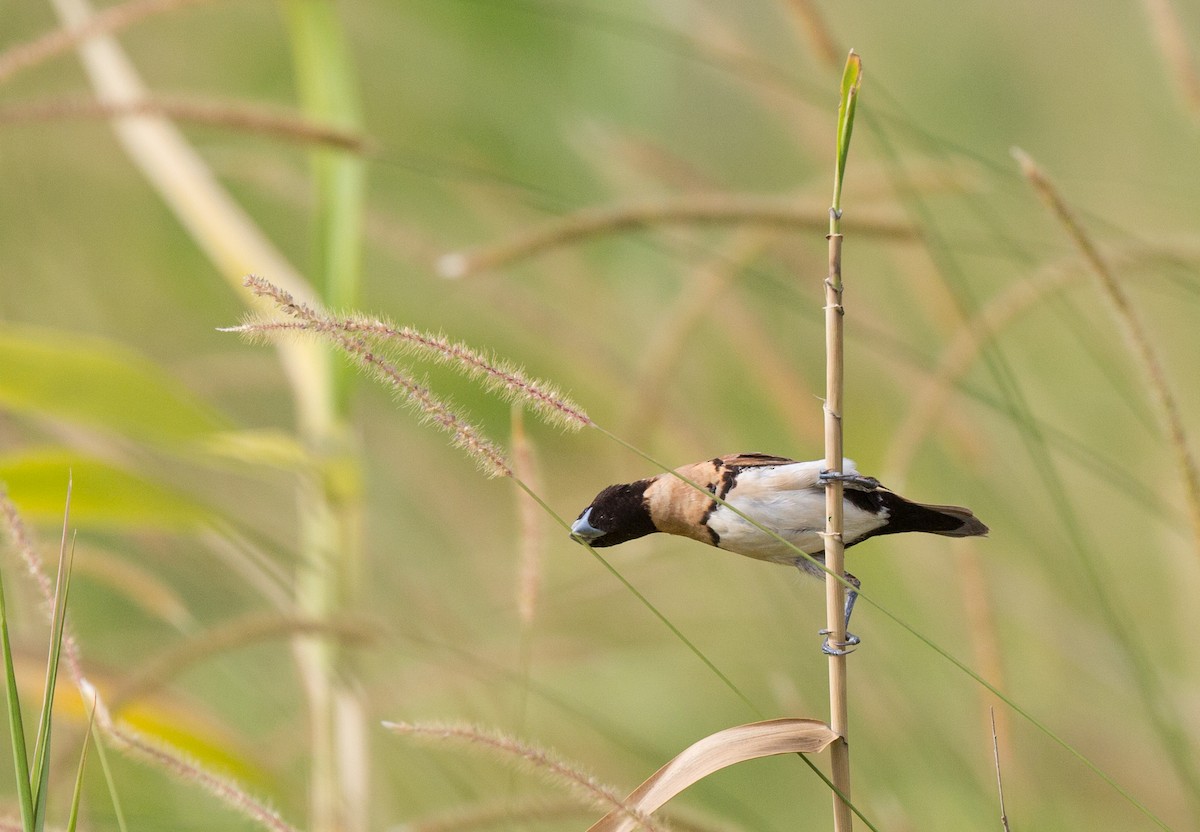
781 494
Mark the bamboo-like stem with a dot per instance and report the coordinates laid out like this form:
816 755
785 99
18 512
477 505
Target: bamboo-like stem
835 590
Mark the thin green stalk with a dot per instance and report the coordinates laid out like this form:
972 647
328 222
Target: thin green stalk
329 92
109 782
329 575
73 819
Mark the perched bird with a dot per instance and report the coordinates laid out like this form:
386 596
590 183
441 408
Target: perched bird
783 495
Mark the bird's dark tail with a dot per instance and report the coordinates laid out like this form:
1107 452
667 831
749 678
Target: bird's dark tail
907 516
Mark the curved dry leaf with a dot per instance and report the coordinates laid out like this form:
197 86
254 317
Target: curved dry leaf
713 753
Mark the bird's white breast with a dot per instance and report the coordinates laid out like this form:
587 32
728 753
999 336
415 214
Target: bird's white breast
789 500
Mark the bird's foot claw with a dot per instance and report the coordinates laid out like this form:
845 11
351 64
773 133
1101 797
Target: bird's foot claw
828 647
866 483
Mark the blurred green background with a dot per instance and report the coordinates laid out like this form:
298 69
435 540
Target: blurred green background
488 118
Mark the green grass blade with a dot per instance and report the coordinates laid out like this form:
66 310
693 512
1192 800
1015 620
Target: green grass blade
851 83
73 820
109 782
40 772
15 724
329 95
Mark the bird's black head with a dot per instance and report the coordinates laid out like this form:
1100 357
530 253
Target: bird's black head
619 513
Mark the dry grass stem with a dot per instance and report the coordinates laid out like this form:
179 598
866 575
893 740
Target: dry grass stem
109 21
722 209
999 779
1136 335
541 760
1173 47
530 540
981 631
250 118
813 26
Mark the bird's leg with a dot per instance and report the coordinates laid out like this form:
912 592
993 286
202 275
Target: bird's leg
865 483
828 647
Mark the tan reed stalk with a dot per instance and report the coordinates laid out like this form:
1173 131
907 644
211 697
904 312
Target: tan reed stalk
719 209
835 591
982 635
1170 36
530 540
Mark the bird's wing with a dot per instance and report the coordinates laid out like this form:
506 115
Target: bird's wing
753 460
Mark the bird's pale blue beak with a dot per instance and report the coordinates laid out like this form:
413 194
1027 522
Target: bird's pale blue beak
584 530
